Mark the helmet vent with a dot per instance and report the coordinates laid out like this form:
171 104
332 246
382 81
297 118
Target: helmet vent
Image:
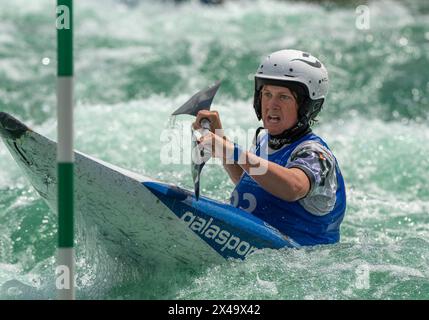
320 81
275 64
291 70
260 72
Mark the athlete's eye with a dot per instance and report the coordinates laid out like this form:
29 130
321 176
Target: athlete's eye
285 97
267 94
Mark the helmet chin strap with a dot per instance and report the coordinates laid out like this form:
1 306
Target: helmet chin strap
290 135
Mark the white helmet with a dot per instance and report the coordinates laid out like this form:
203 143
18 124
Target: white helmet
299 71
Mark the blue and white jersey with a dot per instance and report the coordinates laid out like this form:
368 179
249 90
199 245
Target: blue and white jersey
314 219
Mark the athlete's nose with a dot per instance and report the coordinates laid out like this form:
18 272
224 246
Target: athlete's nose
273 105
10 127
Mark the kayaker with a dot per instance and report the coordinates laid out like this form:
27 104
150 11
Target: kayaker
301 190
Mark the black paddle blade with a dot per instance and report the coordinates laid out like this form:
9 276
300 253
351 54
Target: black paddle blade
200 101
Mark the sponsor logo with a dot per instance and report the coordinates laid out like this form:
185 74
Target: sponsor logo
212 232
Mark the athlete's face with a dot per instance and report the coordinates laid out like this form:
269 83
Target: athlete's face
279 109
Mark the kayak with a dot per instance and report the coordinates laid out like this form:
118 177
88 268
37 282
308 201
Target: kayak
138 217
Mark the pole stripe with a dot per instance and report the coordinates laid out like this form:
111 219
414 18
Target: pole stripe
65 205
65 37
65 119
65 278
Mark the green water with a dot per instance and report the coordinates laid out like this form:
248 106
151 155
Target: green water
135 65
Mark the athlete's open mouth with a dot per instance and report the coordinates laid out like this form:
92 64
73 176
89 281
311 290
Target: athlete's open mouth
273 119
